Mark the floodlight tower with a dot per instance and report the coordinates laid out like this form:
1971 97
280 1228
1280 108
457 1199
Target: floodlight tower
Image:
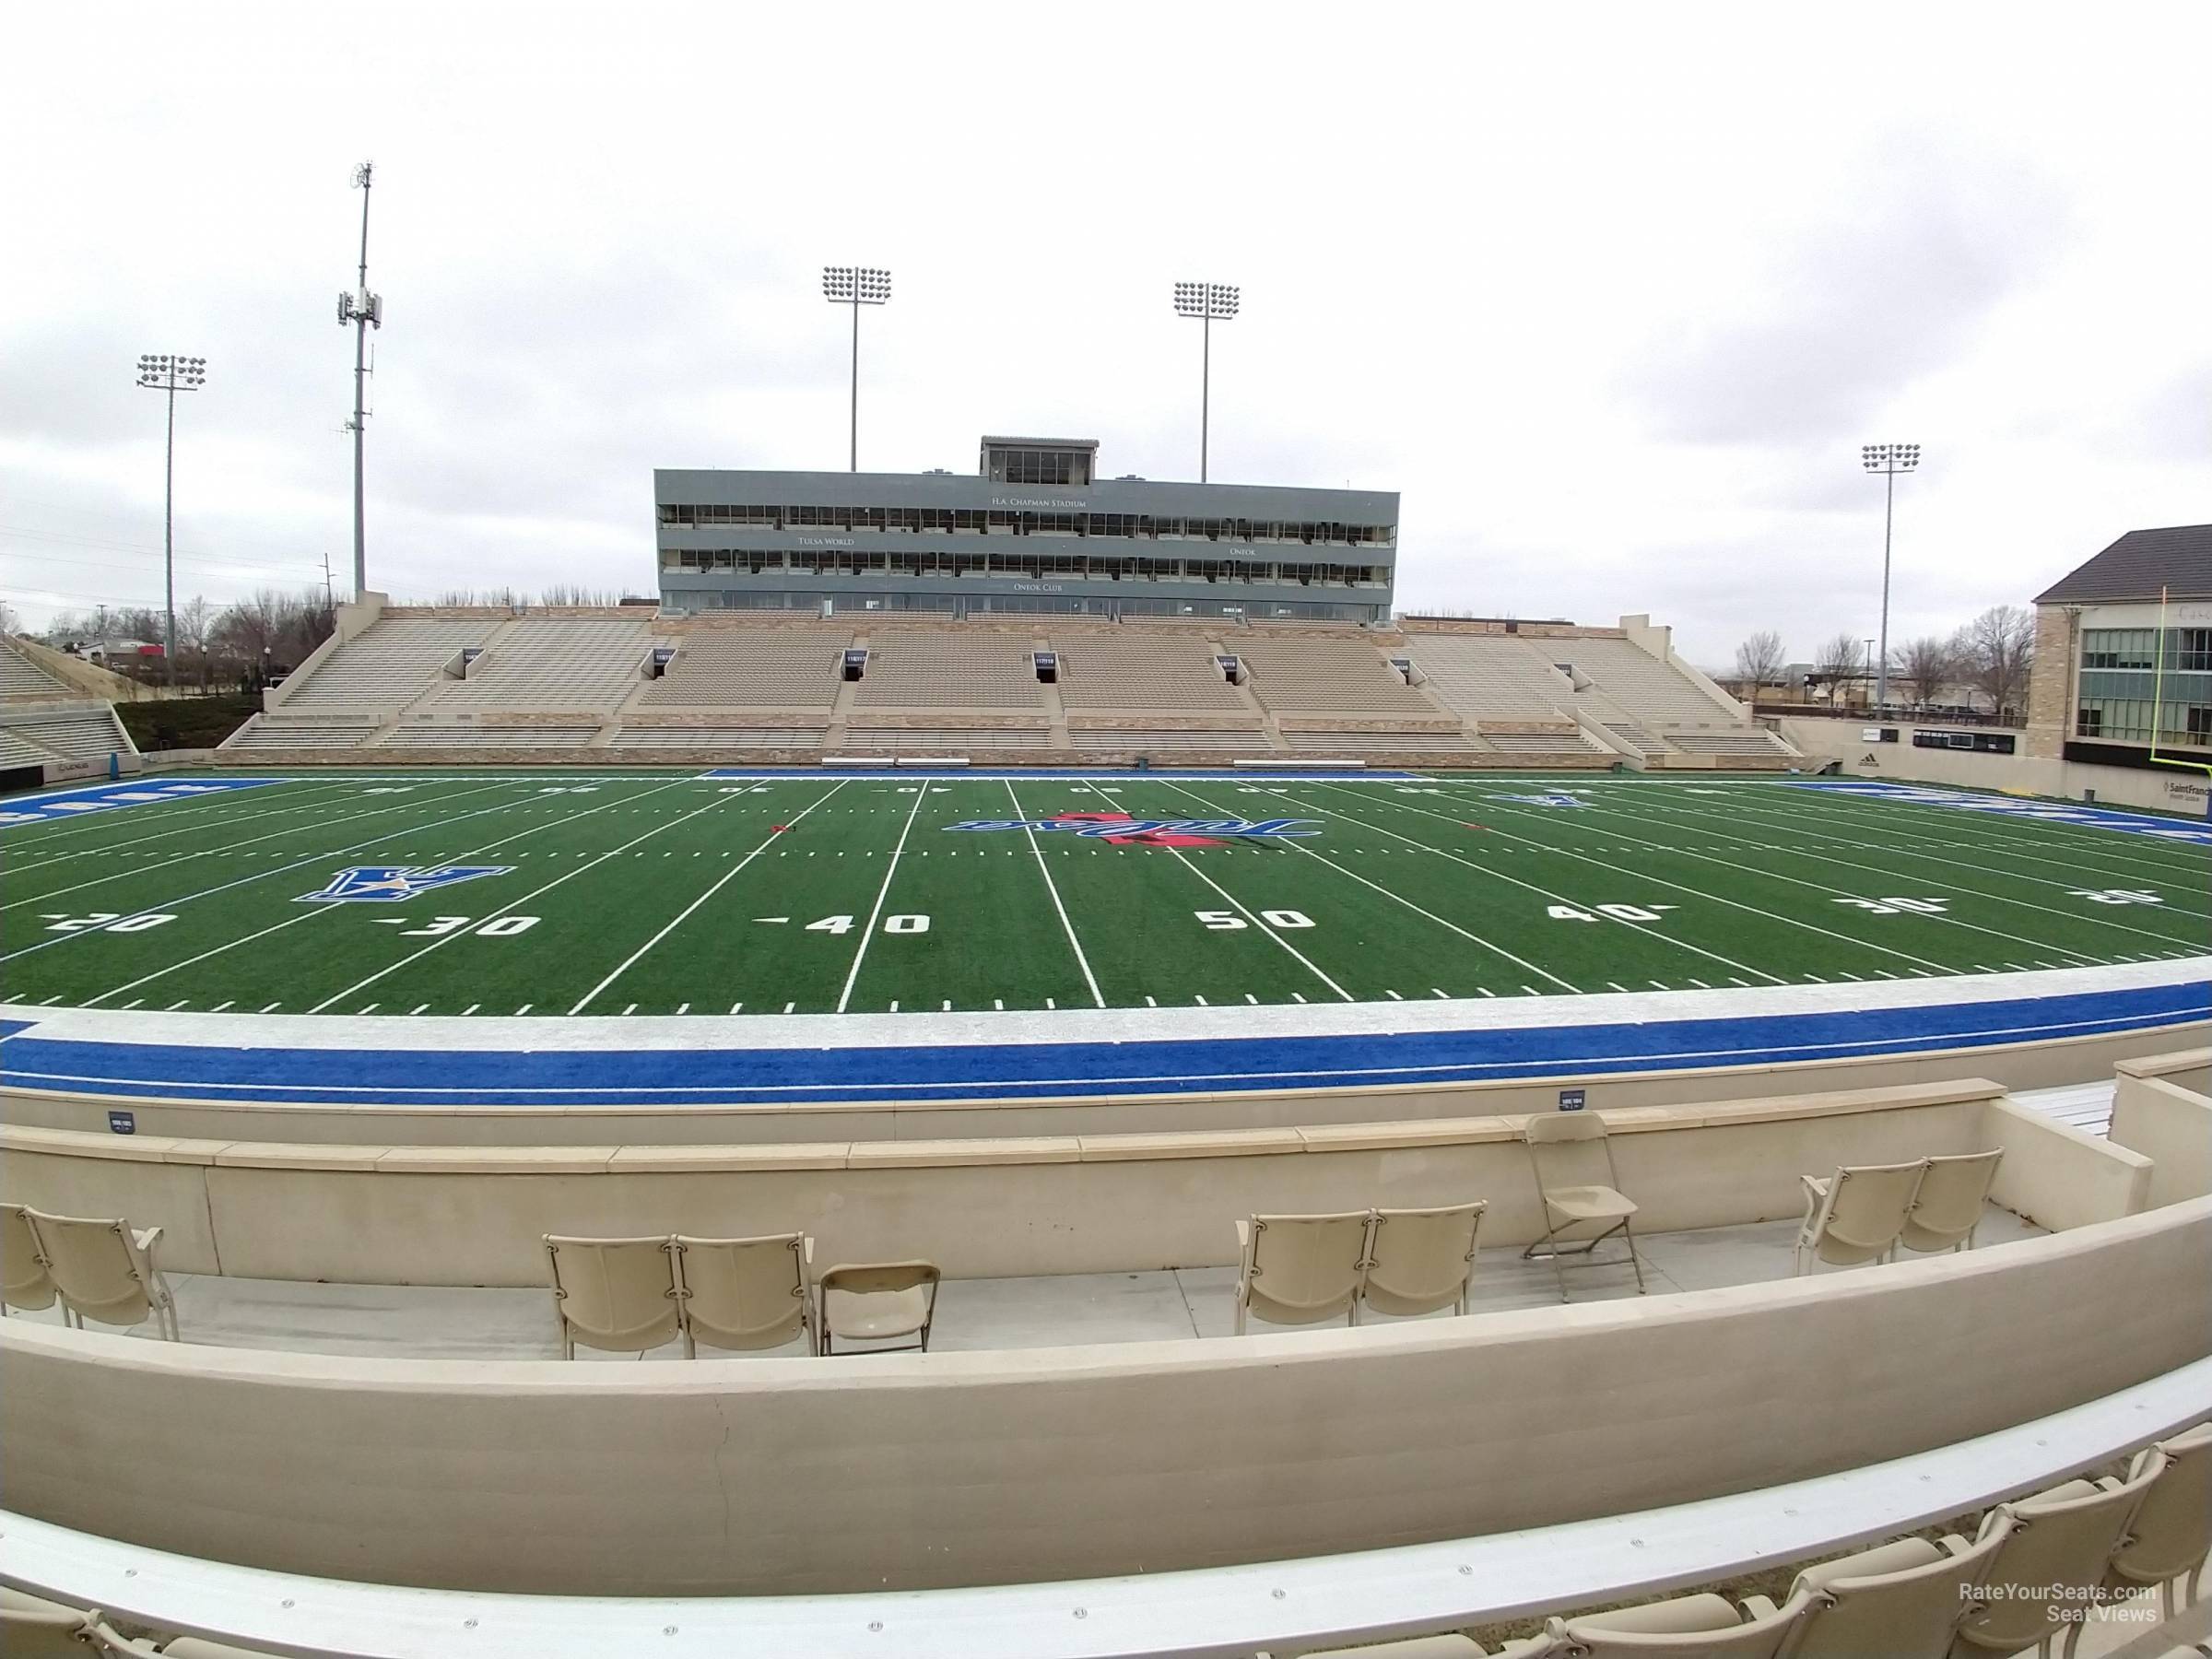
171 375
364 310
1889 459
856 285
1209 303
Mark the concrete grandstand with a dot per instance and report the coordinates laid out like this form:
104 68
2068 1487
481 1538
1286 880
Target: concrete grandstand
1056 690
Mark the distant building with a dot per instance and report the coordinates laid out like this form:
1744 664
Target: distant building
1035 531
2114 670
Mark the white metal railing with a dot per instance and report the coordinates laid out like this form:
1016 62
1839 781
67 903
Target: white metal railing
1210 1614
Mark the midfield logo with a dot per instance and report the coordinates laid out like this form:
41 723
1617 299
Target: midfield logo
1555 799
1122 829
391 884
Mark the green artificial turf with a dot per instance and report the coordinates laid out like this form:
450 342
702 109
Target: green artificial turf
659 893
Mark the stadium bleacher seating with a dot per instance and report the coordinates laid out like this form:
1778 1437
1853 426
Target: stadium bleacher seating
74 732
552 664
929 684
19 676
389 663
911 669
1328 676
1138 671
760 668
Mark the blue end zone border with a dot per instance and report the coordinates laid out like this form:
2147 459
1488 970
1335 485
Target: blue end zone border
2017 807
1051 1070
58 805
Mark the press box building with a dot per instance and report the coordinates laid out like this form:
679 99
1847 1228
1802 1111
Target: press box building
1035 531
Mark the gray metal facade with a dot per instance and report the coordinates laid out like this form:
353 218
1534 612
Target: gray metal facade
962 544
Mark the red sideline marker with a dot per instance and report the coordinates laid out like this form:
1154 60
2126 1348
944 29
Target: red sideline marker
780 829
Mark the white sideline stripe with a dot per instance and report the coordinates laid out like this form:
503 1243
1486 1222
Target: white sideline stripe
1295 1605
681 916
508 908
668 1033
1082 962
1409 904
1248 916
883 892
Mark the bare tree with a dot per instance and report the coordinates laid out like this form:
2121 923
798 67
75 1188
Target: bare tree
11 620
1996 650
1926 664
1760 660
1838 661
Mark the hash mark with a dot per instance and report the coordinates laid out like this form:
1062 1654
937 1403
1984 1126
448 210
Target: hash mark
470 1009
417 1010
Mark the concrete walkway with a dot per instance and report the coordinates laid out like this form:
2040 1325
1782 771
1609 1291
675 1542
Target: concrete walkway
396 1321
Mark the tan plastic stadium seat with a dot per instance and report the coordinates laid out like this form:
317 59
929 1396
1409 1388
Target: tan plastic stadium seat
1947 1208
1301 1269
621 1295
1559 1152
877 1302
104 1270
1420 1260
1856 1214
33 1627
1448 1645
1903 1600
2055 1548
2171 1534
24 1281
742 1294
1688 1627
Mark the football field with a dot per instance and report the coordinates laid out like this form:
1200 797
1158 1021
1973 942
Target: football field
484 892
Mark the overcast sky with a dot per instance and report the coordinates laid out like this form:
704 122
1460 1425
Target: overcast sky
1612 294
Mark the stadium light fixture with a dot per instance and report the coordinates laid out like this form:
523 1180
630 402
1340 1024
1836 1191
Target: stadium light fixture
1209 303
170 375
1889 459
364 310
856 285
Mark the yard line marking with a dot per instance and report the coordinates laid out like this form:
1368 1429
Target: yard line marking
1531 886
219 1008
683 1008
471 1008
1394 996
324 908
2103 844
508 908
419 1007
91 826
273 1007
305 859
736 1005
1401 898
1067 926
853 974
1853 864
1497 808
525 1008
178 1003
728 875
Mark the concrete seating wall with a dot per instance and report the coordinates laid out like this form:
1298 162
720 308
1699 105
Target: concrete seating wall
1328 676
913 1471
427 1214
2162 1108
